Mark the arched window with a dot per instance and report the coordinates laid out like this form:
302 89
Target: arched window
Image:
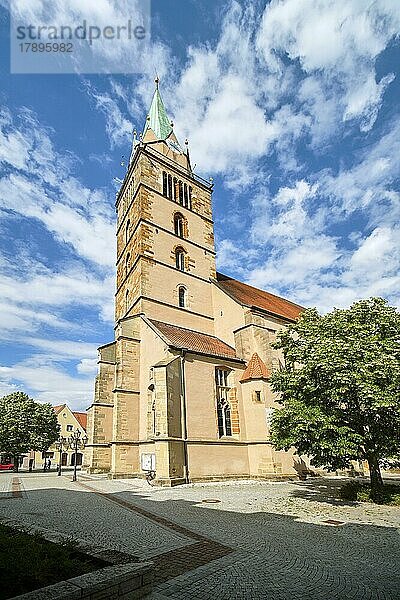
127 230
169 193
180 192
126 300
164 183
180 259
224 418
182 296
179 222
127 264
185 195
223 407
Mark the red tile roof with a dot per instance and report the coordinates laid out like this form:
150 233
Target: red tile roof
81 418
255 369
251 296
195 341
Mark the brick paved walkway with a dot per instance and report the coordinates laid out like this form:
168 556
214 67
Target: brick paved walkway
262 540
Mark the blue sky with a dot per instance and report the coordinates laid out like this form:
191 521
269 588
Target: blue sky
291 106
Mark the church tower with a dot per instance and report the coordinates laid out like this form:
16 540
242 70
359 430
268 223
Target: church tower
165 241
165 264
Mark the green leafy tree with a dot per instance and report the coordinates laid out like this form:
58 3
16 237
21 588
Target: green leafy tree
339 389
26 425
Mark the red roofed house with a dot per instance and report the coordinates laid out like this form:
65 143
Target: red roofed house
184 387
69 421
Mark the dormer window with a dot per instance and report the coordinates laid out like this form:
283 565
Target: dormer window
179 225
180 259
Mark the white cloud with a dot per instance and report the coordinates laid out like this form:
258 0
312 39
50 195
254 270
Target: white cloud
368 183
47 288
49 382
88 366
73 213
38 184
378 255
115 55
118 127
236 99
336 40
292 219
6 387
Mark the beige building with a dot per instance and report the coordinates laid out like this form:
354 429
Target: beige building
184 387
69 422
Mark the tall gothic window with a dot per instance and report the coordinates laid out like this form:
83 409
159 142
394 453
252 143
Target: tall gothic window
182 296
164 183
127 230
180 259
223 408
126 300
179 224
169 190
168 186
185 195
127 264
190 198
180 185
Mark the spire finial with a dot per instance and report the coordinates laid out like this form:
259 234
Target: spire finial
157 81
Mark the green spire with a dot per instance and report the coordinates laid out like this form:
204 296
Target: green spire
158 120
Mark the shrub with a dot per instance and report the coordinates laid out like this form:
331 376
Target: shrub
362 492
28 562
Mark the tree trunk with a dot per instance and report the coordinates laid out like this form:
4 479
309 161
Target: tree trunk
374 472
16 463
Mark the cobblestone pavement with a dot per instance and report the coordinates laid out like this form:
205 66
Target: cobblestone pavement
261 540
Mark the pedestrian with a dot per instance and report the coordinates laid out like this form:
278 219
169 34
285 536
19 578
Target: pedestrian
44 464
31 461
48 464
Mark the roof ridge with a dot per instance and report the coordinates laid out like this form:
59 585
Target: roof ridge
190 340
255 369
188 329
260 290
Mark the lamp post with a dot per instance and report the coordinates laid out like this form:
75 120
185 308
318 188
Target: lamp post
60 443
76 442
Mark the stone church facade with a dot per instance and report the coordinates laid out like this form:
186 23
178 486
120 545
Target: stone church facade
184 385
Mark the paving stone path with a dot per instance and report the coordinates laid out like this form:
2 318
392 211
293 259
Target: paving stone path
278 541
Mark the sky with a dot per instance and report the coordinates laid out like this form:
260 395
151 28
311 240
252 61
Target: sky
292 106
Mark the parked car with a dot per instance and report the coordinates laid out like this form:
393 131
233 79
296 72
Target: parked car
6 467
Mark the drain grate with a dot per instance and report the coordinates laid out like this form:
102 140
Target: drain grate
211 501
333 522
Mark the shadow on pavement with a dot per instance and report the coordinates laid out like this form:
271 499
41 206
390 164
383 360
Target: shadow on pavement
216 553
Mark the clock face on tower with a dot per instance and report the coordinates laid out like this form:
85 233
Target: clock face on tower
174 146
